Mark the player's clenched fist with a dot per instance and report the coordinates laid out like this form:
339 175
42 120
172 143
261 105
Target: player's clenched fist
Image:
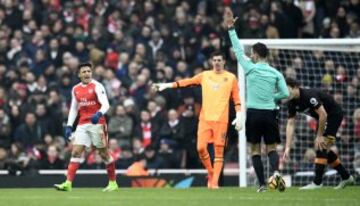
161 86
67 132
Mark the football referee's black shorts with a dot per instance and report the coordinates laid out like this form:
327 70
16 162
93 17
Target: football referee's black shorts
262 123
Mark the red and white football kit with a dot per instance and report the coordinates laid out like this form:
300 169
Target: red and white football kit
86 100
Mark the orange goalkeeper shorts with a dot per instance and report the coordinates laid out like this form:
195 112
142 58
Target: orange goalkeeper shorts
212 132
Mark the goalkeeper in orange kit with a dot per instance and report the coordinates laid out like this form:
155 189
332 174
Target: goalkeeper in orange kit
218 85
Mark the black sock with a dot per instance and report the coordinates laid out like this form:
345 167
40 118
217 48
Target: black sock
259 169
274 160
320 163
333 158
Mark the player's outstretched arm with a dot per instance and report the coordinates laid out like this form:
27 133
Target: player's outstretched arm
195 80
237 47
161 86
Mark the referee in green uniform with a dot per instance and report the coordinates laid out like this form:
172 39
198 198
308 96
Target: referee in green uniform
264 86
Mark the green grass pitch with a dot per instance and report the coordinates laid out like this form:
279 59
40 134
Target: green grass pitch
179 197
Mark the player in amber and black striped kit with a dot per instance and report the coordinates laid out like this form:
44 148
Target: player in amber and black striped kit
321 106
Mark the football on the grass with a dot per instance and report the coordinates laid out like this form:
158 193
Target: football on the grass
272 184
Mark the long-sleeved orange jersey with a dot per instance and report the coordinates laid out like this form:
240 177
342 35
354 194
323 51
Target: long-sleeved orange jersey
216 91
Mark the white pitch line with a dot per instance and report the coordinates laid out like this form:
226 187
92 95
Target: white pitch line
178 198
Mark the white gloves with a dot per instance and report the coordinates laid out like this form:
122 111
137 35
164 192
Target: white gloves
238 121
161 86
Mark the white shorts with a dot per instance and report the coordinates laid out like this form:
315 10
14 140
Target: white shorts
91 135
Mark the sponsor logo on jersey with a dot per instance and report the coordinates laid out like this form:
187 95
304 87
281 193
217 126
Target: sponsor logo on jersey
87 103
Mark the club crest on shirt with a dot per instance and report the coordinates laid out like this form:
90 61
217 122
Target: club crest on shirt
313 101
91 91
215 86
225 79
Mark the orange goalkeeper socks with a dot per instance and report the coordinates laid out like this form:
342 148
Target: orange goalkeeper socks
218 165
207 163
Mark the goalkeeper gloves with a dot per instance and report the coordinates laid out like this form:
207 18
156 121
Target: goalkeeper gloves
67 132
238 121
95 118
162 86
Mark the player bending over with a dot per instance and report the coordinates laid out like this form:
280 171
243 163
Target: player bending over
321 106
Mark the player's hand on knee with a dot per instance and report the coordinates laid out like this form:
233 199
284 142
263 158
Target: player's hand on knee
330 140
238 122
67 132
320 143
95 118
161 86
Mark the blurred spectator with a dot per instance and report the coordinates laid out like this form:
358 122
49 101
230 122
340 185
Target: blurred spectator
126 158
54 105
5 129
156 113
3 97
121 126
296 16
52 159
146 130
111 84
153 161
55 53
17 159
309 10
170 157
42 118
173 128
3 158
30 132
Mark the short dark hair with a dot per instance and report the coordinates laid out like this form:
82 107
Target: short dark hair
86 64
217 53
260 49
292 82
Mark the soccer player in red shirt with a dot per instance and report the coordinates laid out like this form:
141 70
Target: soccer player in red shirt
90 102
